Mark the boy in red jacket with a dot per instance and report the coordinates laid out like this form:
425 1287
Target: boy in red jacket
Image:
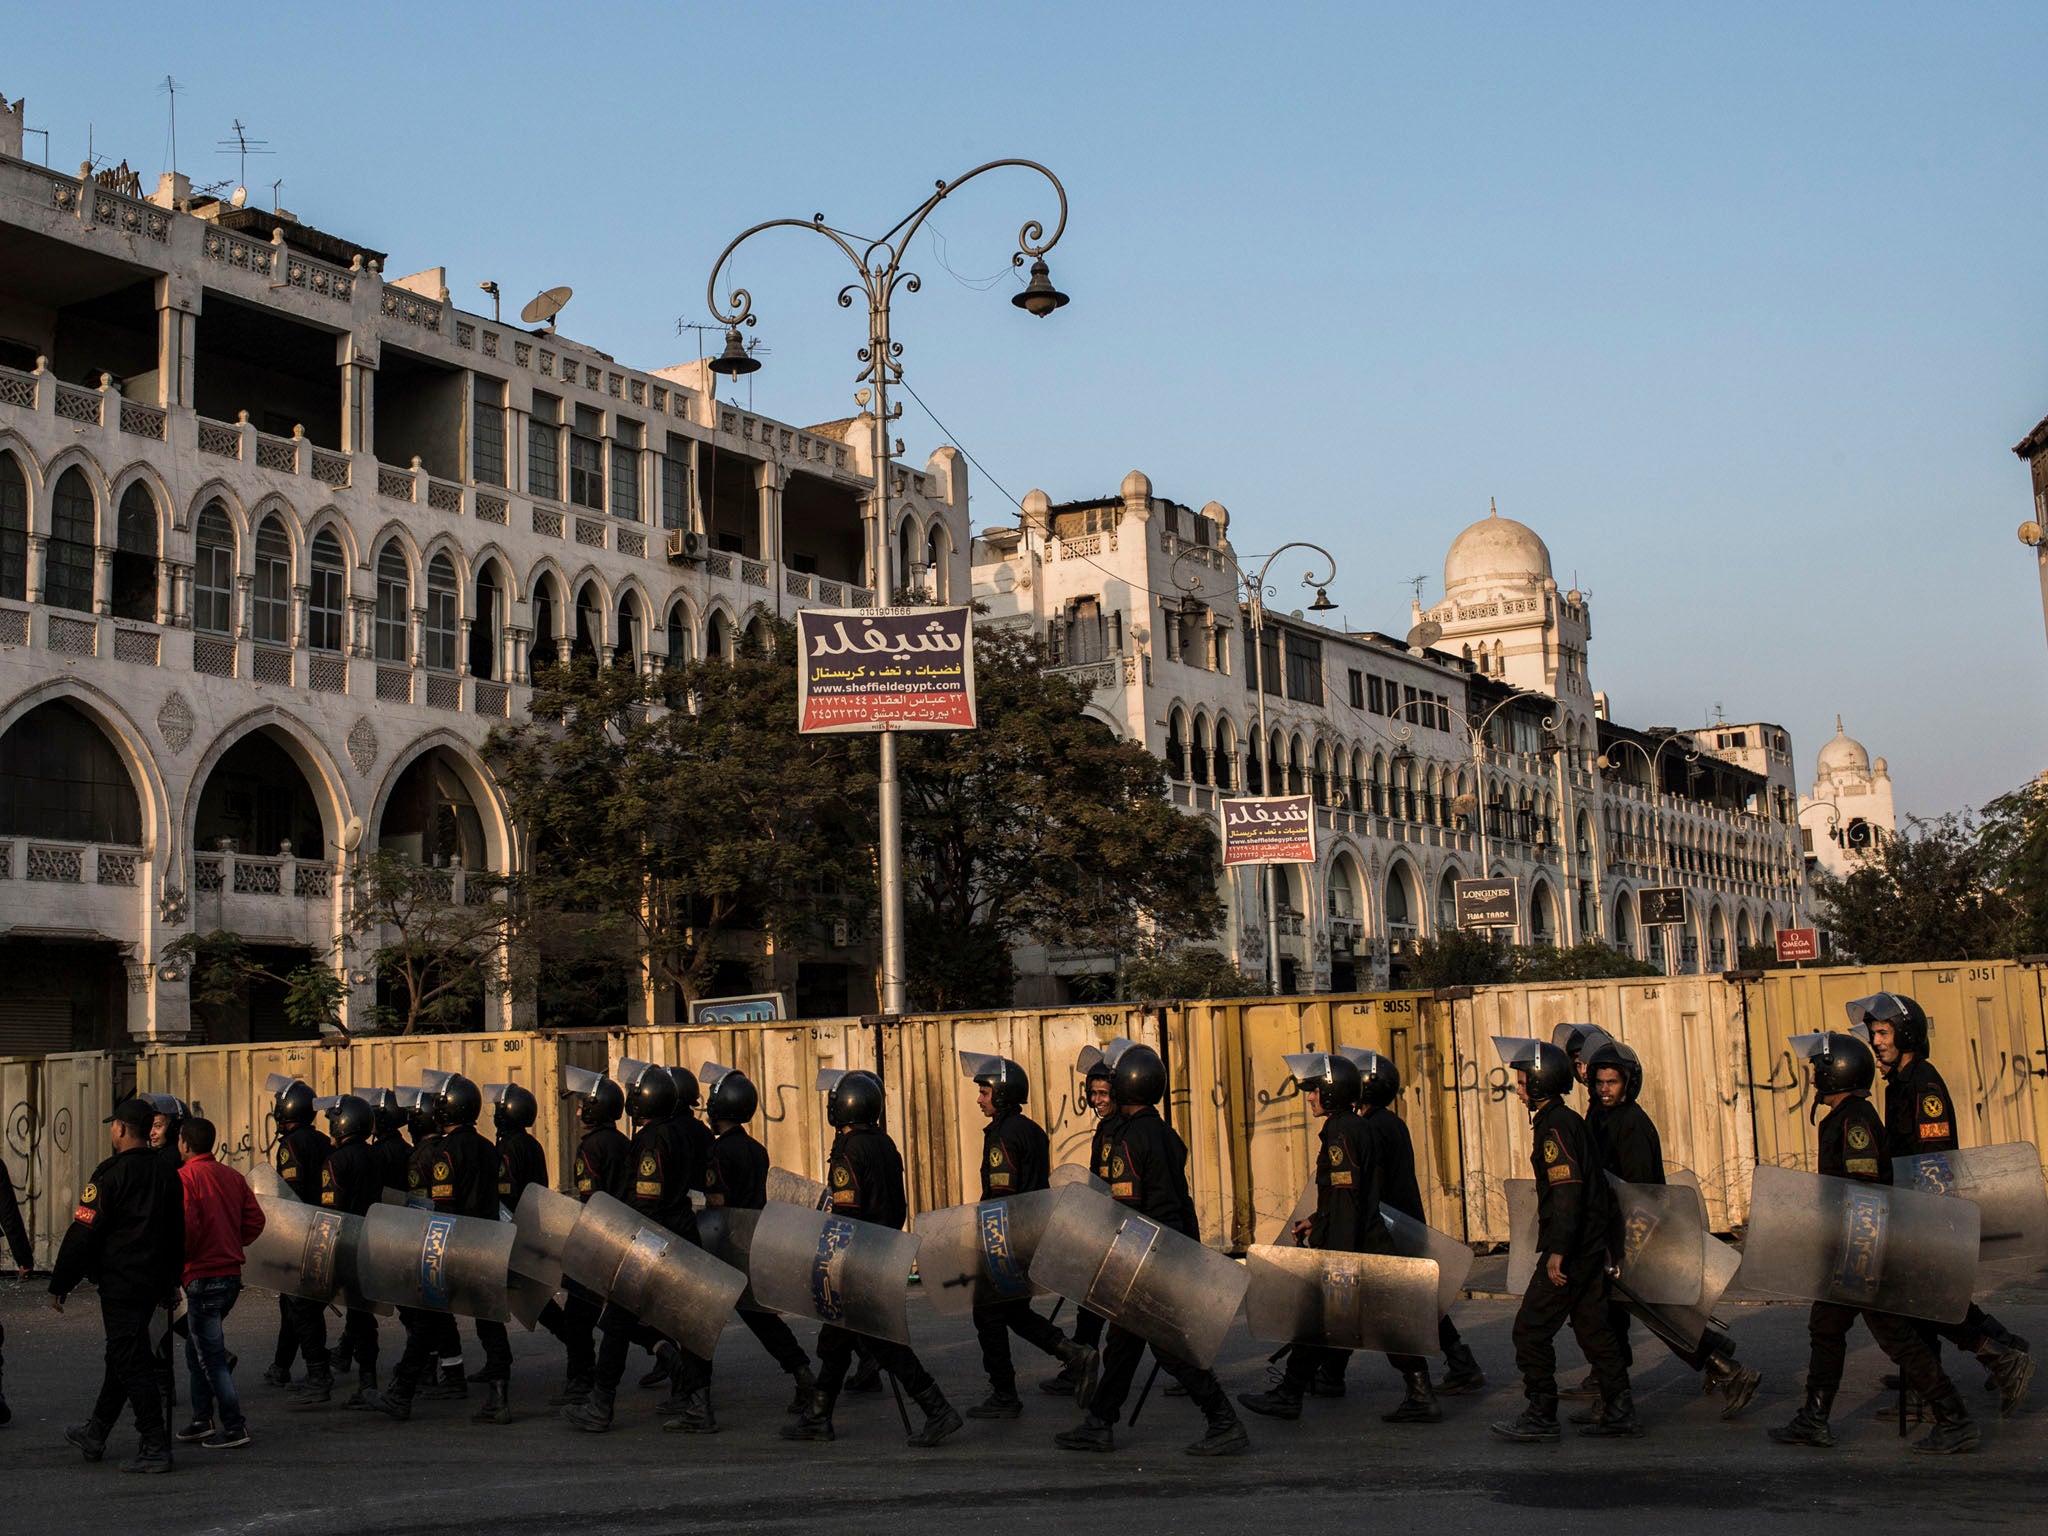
221 1218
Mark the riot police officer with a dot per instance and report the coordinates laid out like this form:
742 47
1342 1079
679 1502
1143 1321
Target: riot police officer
1146 1168
865 1183
604 1165
170 1112
1633 1152
1841 1070
300 1156
1919 1117
689 1094
1573 1213
736 1178
1095 1076
351 1183
522 1159
24 1259
1016 1159
394 1152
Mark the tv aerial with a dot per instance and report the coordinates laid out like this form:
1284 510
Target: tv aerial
545 306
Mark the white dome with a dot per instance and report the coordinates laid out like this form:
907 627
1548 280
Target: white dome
1496 549
1843 754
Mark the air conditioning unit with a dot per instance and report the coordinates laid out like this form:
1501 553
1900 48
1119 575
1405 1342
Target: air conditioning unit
685 544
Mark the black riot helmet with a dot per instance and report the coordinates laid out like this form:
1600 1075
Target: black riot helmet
1839 1063
853 1098
1906 1017
688 1094
603 1105
460 1102
1331 1073
1137 1076
1610 1052
1546 1066
350 1118
293 1105
1008 1086
385 1106
732 1099
1379 1080
513 1107
650 1091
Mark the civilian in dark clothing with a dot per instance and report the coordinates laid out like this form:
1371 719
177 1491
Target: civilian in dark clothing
127 1236
24 1261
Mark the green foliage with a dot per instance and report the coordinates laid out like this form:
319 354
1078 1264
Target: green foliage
1932 891
1589 960
1185 972
1468 958
221 967
1461 957
439 958
2014 843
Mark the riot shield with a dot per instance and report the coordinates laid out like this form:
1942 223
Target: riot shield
2004 1182
1661 1232
541 1228
728 1236
1165 1287
1376 1301
666 1281
1076 1173
1681 1327
266 1183
977 1255
437 1262
795 1189
851 1273
1522 1225
1813 1237
311 1253
1417 1240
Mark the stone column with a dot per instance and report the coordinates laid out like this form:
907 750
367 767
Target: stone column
38 565
768 487
103 580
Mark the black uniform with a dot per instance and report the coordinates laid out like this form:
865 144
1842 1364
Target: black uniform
127 1236
301 1325
522 1160
604 1165
1573 1212
24 1258
1146 1166
394 1157
429 1336
664 1168
700 1140
472 1190
1852 1146
351 1183
865 1180
1399 1188
736 1178
1088 1325
1633 1152
1016 1159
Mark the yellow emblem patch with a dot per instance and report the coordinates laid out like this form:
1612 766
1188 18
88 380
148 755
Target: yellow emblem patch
1932 1107
995 1157
1859 1137
841 1178
87 1195
1336 1154
647 1166
1552 1152
443 1171
1116 1166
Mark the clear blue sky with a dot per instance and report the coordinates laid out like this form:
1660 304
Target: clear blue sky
1742 308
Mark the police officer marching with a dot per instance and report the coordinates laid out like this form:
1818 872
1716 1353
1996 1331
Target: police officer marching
1095 1076
351 1182
300 1157
604 1165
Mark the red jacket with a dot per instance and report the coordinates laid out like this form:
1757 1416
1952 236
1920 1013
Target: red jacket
221 1218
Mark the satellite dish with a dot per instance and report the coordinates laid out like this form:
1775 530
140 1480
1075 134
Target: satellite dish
1465 806
547 305
240 199
1424 635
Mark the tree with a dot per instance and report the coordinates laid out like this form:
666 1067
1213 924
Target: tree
1461 957
1185 971
1927 892
2014 842
1469 958
1039 827
222 966
1588 960
439 956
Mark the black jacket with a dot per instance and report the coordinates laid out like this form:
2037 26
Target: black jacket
1016 1156
737 1175
865 1177
521 1161
394 1157
462 1174
1573 1203
1852 1143
1148 1169
127 1232
1396 1153
1098 1147
11 1223
701 1139
352 1181
1630 1147
666 1168
604 1164
301 1154
1349 1188
1919 1116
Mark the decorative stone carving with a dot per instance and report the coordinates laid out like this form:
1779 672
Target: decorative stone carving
171 909
362 746
174 722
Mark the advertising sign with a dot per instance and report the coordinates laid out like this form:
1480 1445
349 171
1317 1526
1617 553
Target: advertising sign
1273 829
884 669
1486 903
1796 944
753 1008
1661 906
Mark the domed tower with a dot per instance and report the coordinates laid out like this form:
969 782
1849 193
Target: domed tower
1501 610
1850 808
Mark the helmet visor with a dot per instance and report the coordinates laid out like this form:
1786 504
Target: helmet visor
494 1093
708 1074
329 1102
277 1082
1089 1059
1878 1008
1571 1037
434 1082
1112 1049
1518 1050
580 1082
828 1078
409 1098
974 1064
631 1071
1308 1066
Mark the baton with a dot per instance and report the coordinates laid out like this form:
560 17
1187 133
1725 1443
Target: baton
901 1412
1058 1302
1147 1392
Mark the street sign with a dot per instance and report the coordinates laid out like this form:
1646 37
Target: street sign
1661 906
884 669
1273 829
1486 903
754 1008
1795 944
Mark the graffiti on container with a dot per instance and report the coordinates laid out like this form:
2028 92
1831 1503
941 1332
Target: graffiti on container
1497 1084
780 1112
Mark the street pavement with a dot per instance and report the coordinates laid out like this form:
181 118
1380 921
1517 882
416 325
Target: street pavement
328 1470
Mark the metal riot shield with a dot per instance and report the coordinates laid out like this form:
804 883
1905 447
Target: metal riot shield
580 1082
308 1252
795 1189
1374 1301
1814 1237
1661 1230
1165 1287
1682 1327
977 1255
1418 1240
1076 1173
666 1281
267 1184
2004 1182
727 1234
437 1262
1522 1226
541 1228
854 1274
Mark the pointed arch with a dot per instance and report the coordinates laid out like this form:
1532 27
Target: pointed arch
75 460
302 743
231 505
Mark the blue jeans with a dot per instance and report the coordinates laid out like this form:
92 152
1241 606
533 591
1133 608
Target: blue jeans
207 1305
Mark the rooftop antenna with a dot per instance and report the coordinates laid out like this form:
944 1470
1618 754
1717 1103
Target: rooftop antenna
545 306
170 88
1416 582
273 193
46 142
242 146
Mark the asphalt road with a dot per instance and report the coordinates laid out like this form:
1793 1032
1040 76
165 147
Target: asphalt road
1339 1466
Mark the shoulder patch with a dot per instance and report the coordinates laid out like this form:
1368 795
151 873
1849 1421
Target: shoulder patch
90 1193
995 1156
841 1177
1932 1108
647 1169
1336 1154
1552 1152
1859 1137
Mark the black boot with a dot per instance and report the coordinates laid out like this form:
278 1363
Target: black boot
940 1420
1907 1407
693 1416
1061 1385
1590 1387
395 1401
1328 1380
575 1389
315 1389
90 1438
451 1384
1737 1383
1617 1418
1952 1433
498 1409
1001 1403
867 1377
1091 1434
341 1356
1080 1365
666 1359
1419 1405
1461 1372
594 1414
277 1375
816 1423
805 1384
1283 1402
1226 1435
2012 1371
1536 1424
1809 1425
153 1455
366 1383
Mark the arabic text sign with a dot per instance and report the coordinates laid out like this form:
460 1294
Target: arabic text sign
886 669
752 1008
1277 829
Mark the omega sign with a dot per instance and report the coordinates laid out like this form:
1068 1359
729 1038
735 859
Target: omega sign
1274 829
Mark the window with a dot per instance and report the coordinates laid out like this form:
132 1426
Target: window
1267 675
1085 637
394 606
135 556
1358 690
626 438
675 483
1443 712
626 650
439 639
543 651
68 558
487 433
1304 669
13 529
1372 693
61 777
213 572
326 602
586 460
678 638
483 626
273 588
544 449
